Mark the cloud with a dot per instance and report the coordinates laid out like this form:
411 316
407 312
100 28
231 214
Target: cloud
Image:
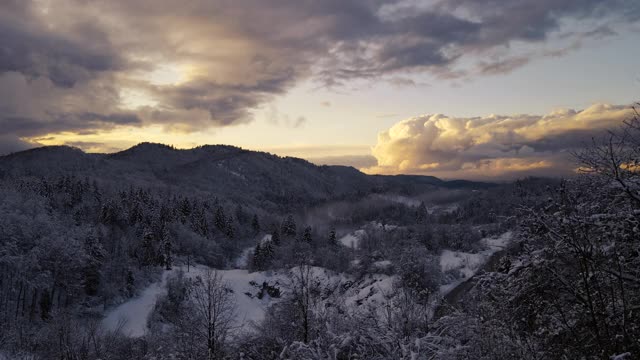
81 66
494 146
275 117
11 143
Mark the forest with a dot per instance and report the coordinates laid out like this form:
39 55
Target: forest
297 261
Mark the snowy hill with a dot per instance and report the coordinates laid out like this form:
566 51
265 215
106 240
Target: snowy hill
218 170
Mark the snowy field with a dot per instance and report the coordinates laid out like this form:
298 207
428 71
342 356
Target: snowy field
131 317
374 289
468 264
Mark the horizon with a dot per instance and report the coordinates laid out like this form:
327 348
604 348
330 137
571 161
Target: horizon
456 90
172 147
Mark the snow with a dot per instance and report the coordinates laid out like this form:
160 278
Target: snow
242 261
624 356
250 309
353 239
468 264
382 264
498 243
373 290
130 318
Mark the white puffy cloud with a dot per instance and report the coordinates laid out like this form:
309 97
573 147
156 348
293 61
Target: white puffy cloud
495 146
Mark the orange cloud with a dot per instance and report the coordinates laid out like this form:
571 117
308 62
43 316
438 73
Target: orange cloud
494 146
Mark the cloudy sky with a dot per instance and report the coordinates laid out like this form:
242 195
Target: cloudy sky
452 88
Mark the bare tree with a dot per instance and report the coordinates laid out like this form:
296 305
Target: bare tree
214 312
617 157
302 298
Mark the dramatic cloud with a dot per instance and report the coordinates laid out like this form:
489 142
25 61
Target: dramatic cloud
498 147
11 143
82 66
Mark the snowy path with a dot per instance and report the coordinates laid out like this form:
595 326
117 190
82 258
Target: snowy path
131 317
468 264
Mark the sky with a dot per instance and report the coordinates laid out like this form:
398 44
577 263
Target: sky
452 88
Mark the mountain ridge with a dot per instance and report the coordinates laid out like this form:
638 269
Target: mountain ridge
218 170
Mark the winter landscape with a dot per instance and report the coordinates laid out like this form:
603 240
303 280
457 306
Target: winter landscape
277 179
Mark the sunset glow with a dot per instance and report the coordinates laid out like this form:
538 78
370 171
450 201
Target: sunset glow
104 76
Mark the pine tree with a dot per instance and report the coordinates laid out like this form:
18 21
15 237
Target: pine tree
306 236
199 222
332 238
289 226
255 224
230 230
422 213
257 261
184 210
130 283
148 253
267 254
167 249
220 219
241 214
95 256
45 305
275 236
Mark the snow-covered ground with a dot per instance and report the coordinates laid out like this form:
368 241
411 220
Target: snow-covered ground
467 264
242 261
246 286
352 240
131 317
374 289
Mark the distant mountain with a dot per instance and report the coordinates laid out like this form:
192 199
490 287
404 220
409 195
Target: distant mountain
217 170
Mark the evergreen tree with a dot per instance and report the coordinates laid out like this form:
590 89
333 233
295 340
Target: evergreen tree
148 254
199 222
167 249
45 305
306 236
95 256
275 236
241 214
289 226
255 224
332 238
184 210
257 260
422 213
267 254
130 283
135 213
220 219
230 230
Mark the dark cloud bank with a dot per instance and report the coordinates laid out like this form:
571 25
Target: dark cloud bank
65 63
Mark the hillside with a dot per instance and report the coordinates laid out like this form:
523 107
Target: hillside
217 170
